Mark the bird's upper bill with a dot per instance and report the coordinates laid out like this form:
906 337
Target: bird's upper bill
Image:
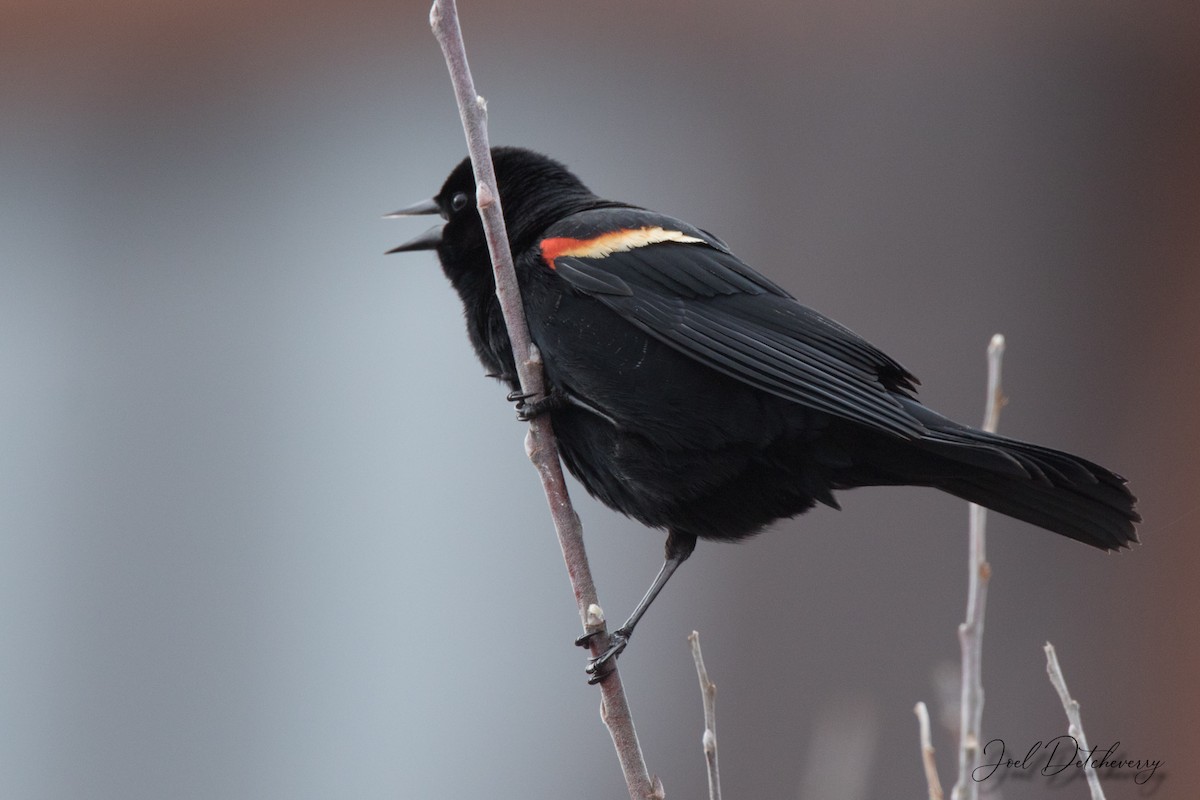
430 239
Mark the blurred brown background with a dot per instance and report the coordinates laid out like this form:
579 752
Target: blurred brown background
265 532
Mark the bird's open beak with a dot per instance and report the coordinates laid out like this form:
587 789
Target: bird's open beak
430 239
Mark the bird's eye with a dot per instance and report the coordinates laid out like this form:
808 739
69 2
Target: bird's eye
459 201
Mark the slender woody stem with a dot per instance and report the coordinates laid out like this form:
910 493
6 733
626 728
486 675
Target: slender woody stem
708 691
970 632
540 443
1074 721
931 774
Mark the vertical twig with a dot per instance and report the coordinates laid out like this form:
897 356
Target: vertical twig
970 632
931 773
708 691
540 442
1074 721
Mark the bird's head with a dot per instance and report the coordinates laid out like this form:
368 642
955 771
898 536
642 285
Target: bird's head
535 191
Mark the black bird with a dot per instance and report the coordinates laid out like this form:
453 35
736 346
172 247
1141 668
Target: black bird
695 395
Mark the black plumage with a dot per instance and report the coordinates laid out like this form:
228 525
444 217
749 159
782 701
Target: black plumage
695 395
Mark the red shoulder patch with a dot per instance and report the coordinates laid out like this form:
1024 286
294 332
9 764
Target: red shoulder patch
618 241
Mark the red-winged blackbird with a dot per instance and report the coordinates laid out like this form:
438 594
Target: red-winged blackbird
693 394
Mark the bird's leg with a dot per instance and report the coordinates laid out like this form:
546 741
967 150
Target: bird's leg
552 400
679 546
528 408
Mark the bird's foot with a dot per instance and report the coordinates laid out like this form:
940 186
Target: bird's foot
603 664
529 408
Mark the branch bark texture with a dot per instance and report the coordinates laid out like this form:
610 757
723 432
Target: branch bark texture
1074 721
927 756
540 442
970 632
708 691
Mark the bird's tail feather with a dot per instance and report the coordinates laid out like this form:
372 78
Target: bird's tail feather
1045 487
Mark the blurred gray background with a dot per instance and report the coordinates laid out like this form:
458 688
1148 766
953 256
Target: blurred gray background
266 532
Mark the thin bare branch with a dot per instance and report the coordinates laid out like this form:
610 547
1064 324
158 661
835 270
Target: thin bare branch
995 392
540 443
708 691
931 773
1075 723
970 632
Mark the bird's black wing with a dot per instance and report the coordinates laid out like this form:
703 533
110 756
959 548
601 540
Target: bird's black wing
686 289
